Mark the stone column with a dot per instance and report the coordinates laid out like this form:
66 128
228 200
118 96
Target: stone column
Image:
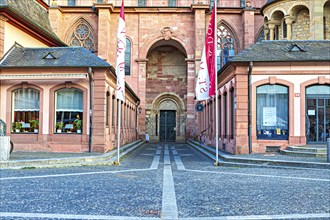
142 85
271 27
288 21
266 32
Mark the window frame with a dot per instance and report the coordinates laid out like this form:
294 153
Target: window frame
275 131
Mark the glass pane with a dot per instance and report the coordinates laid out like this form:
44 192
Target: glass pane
272 112
311 120
321 128
69 100
25 110
318 90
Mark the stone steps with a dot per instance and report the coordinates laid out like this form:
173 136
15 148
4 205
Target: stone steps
305 151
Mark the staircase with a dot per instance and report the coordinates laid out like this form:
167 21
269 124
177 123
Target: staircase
306 151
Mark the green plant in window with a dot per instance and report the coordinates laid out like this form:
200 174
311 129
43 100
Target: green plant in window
59 125
77 124
34 123
17 126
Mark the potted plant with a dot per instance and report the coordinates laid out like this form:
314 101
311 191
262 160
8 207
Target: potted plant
77 125
59 126
17 126
34 125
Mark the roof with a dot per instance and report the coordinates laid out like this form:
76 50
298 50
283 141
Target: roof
285 51
267 3
58 57
31 12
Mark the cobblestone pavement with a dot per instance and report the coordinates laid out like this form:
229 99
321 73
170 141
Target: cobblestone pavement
165 181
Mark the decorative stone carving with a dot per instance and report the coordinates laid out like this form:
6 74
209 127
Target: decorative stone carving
167 33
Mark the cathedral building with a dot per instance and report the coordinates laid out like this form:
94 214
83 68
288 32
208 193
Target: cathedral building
57 59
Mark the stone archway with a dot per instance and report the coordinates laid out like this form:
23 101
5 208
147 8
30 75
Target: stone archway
169 105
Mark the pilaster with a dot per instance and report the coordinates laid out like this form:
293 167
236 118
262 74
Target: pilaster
2 35
248 27
55 19
316 24
104 33
191 113
142 85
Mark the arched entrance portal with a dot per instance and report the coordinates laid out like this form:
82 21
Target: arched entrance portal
166 121
166 91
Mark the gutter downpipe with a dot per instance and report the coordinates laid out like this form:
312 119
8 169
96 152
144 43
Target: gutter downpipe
91 85
249 108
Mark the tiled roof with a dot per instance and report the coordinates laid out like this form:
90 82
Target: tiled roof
57 57
33 13
285 51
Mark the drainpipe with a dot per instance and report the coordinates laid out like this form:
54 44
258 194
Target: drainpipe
91 85
249 107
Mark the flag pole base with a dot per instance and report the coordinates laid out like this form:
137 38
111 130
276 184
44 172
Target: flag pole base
217 163
116 163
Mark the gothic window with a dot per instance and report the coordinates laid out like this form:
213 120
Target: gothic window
82 36
71 2
243 3
261 36
171 3
128 57
141 2
225 46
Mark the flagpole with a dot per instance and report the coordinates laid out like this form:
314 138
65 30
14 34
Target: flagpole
216 88
118 135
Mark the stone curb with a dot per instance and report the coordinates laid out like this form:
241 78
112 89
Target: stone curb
104 159
228 160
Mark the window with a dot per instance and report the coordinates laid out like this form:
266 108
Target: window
285 29
71 2
225 46
107 109
113 121
243 3
82 36
25 110
69 110
212 3
261 36
171 3
272 112
232 114
142 3
128 58
225 104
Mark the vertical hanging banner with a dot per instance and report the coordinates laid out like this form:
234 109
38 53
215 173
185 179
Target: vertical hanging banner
120 62
205 83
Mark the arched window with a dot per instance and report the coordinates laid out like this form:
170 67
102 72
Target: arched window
225 46
25 110
107 109
82 36
128 58
69 110
272 112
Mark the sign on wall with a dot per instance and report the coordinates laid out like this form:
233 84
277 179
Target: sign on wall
269 116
